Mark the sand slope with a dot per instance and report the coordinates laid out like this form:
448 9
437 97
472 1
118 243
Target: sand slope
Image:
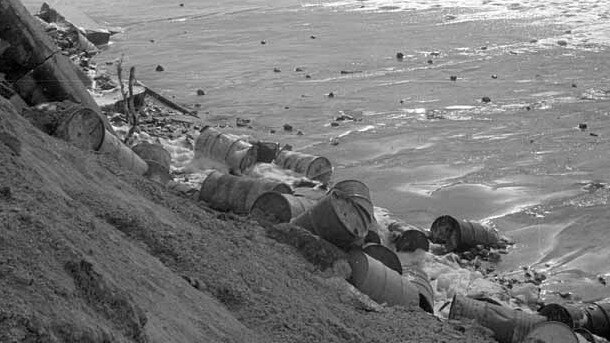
92 253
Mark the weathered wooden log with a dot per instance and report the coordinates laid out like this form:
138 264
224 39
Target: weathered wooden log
34 66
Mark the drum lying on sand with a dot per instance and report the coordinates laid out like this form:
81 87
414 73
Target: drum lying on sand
238 155
379 282
460 235
313 167
226 192
280 207
336 219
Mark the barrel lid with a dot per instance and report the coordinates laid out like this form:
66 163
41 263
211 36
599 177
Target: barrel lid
551 332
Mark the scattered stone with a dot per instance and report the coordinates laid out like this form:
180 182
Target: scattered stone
483 48
494 76
334 141
401 101
486 99
602 280
298 69
435 54
345 72
330 95
287 127
334 124
453 78
400 55
159 68
152 40
562 43
308 76
286 107
582 126
277 70
241 122
104 82
300 133
200 92
430 61
272 131
593 134
181 5
450 17
345 117
574 85
533 41
312 37
263 42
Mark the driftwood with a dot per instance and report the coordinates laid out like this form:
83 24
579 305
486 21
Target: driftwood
167 102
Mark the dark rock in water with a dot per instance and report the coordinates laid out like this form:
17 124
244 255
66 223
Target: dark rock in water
485 99
181 5
453 78
402 101
200 92
159 68
574 85
330 95
582 126
287 127
298 69
430 61
308 76
483 48
241 122
286 107
562 43
334 124
435 54
533 41
312 37
152 41
263 42
494 76
300 133
345 72
272 131
593 134
277 70
400 55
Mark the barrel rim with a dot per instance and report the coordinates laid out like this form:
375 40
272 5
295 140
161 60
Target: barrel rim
286 202
393 262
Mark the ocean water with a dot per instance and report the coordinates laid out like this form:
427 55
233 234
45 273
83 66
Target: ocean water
524 162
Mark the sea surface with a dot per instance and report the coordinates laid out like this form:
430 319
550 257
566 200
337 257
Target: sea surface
533 161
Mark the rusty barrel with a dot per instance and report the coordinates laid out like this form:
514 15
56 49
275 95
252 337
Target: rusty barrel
280 207
573 316
460 235
226 192
420 279
359 194
551 332
158 160
113 146
335 219
508 325
410 238
599 319
384 255
80 126
379 282
238 155
314 167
